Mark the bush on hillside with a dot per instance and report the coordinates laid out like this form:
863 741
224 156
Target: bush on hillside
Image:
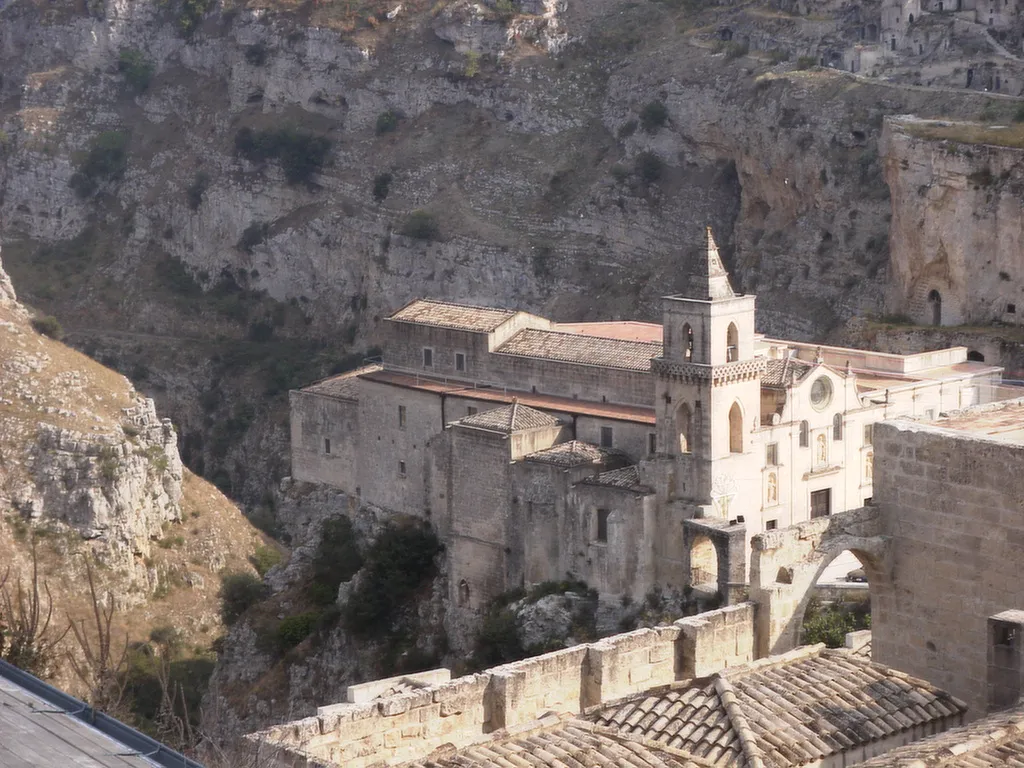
136 68
239 592
106 161
421 225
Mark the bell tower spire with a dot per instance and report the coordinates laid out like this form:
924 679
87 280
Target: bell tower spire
709 280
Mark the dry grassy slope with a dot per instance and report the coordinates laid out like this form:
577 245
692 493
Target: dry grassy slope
44 382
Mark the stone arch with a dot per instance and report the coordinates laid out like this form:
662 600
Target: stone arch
975 356
729 541
736 428
837 427
732 343
805 434
801 553
684 427
871 33
935 305
703 561
463 592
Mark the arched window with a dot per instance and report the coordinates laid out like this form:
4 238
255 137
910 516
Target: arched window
463 594
975 356
735 429
683 422
837 427
732 344
805 434
687 343
911 18
935 300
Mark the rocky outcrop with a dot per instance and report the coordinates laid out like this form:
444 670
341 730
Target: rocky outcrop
957 228
7 295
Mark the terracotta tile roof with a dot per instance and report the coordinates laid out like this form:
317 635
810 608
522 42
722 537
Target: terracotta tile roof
997 740
461 317
583 349
510 418
779 373
631 413
344 386
569 743
627 478
572 454
630 330
783 711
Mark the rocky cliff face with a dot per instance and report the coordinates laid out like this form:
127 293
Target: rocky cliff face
521 135
957 227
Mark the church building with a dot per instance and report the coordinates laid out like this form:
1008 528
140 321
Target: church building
629 455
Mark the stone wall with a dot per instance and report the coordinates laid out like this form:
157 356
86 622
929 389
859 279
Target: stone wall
953 506
406 726
314 420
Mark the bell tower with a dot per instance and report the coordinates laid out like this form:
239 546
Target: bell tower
708 386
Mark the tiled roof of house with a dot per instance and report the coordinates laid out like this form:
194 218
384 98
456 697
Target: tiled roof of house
786 710
572 454
578 348
345 386
568 744
627 478
779 373
997 740
510 418
462 317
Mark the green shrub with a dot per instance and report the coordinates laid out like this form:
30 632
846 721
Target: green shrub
982 178
191 14
498 640
107 160
137 70
197 189
294 629
398 563
653 116
830 624
48 326
420 225
626 130
649 167
265 558
238 592
256 54
337 559
300 154
806 62
387 122
778 55
381 186
1018 116
472 68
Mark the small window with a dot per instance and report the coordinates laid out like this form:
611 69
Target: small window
771 455
401 469
471 410
327 445
401 417
460 361
869 434
837 427
805 434
428 357
771 525
602 525
868 501
929 414
1011 309
607 437
652 442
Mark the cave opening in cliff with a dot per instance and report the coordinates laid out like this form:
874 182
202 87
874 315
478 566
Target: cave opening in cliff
935 300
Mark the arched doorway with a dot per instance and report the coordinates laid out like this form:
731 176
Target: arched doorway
975 356
684 422
840 601
935 302
736 429
703 563
732 344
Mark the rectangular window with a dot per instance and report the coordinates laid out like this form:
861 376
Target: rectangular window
771 455
868 501
869 434
606 437
471 410
652 443
771 525
327 445
401 469
805 434
602 525
460 361
401 417
428 357
821 503
930 413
